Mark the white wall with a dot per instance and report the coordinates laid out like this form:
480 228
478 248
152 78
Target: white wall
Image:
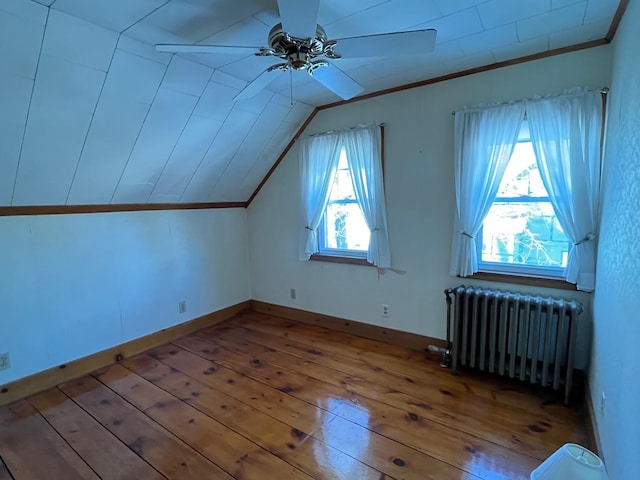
615 361
420 200
72 285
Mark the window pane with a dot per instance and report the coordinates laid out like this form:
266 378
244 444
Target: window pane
342 188
525 233
345 227
521 177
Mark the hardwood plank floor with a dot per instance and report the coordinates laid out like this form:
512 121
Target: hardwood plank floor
258 397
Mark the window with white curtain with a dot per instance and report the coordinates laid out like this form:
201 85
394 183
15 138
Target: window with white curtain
527 180
521 233
343 230
344 213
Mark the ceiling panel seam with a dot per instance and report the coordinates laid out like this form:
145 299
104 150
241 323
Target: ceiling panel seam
93 115
173 149
213 187
142 19
195 171
26 120
124 168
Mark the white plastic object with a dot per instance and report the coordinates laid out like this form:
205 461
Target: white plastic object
571 462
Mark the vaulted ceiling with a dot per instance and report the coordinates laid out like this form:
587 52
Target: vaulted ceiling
90 113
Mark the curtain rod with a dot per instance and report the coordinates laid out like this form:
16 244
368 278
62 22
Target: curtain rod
603 90
357 127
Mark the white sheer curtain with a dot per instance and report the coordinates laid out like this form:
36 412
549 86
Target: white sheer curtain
484 141
363 149
566 133
318 163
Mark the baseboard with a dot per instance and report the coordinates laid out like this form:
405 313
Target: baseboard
374 332
592 426
51 377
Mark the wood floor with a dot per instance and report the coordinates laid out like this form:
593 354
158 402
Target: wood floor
259 397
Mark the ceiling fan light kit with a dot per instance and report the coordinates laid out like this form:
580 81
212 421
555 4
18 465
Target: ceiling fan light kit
288 41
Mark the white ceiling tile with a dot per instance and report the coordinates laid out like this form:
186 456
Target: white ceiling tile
280 99
228 140
109 143
447 7
552 22
49 156
185 158
27 25
457 25
116 15
133 78
398 15
151 35
265 161
501 12
188 21
256 104
61 84
521 49
216 102
247 32
187 76
333 10
78 41
260 135
167 118
133 192
298 113
250 67
15 93
144 50
555 4
579 34
64 99
600 10
25 10
228 80
485 41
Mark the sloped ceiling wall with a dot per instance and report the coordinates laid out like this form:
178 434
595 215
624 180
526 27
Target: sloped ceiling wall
91 114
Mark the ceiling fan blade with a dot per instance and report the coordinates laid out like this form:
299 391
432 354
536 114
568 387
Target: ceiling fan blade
226 49
299 18
387 44
337 81
258 84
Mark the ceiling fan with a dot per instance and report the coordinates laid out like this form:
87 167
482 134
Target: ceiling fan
303 45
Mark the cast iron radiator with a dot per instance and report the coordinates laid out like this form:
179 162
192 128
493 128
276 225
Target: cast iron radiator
518 335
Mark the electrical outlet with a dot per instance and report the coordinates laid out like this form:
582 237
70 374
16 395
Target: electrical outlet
182 306
292 294
5 362
603 401
385 310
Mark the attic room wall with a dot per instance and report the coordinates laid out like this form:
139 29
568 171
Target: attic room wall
72 285
614 359
420 201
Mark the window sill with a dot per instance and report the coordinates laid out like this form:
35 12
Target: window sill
522 280
346 260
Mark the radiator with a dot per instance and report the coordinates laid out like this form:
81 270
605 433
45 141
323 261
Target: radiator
522 336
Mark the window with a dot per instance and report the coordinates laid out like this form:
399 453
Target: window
344 215
507 196
521 234
343 230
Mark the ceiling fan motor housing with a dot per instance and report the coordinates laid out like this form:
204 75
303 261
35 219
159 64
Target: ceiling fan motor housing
297 51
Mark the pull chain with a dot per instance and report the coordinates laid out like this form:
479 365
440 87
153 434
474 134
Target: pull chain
291 84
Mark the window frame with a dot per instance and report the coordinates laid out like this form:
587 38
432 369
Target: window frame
510 269
352 257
